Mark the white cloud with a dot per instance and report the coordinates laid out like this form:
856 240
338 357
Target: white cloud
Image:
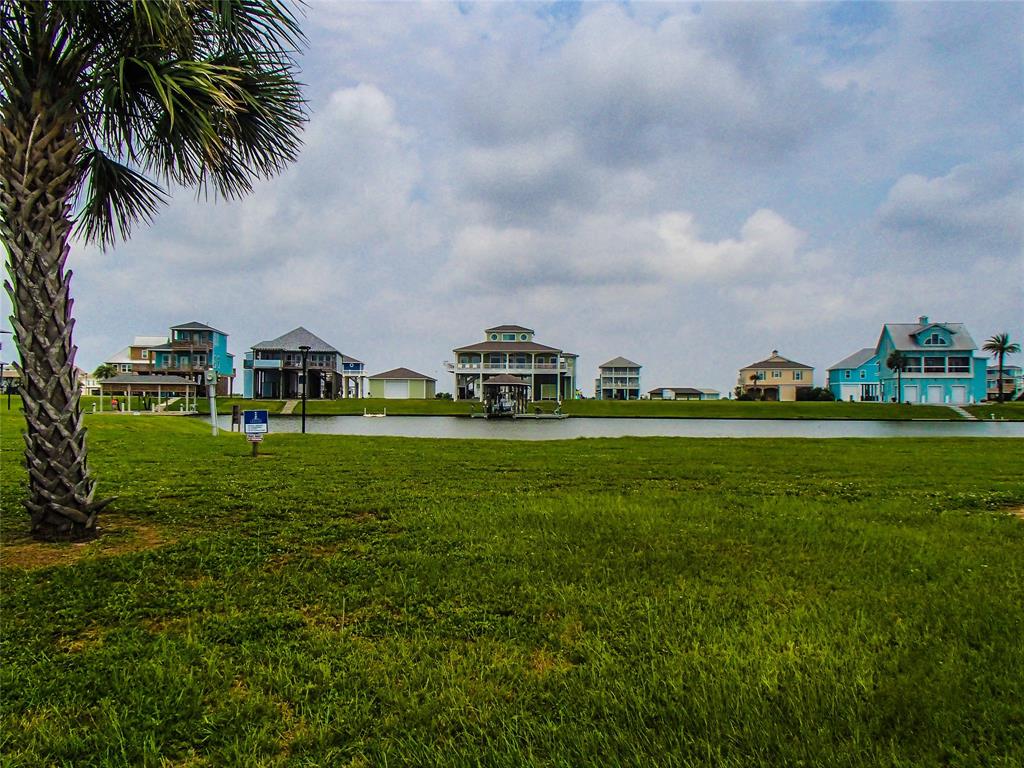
975 206
614 250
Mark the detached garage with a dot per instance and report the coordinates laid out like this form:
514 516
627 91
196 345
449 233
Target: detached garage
402 384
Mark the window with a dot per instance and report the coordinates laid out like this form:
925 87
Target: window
863 374
798 375
848 374
522 337
935 365
913 365
776 374
494 359
463 359
935 340
126 368
494 337
508 337
959 365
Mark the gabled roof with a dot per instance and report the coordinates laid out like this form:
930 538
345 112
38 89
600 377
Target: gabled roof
148 341
903 336
196 327
507 346
401 373
124 356
508 328
507 379
347 359
294 339
680 390
777 361
856 360
620 362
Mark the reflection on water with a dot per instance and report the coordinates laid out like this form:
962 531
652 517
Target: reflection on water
463 427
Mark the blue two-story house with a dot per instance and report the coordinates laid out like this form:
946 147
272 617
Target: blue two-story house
855 378
941 366
192 349
273 369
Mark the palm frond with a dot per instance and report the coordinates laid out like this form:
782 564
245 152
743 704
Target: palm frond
115 198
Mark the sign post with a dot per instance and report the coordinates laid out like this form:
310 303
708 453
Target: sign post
255 424
211 390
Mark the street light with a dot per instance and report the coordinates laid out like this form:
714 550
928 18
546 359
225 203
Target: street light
304 349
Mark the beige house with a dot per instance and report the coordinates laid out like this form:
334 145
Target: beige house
402 384
776 378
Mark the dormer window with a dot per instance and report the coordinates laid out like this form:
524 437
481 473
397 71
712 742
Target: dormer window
494 337
508 337
522 337
935 340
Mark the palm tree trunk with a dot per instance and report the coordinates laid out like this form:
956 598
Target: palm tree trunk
38 151
999 381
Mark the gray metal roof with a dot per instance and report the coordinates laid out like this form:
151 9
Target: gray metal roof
856 360
620 362
903 336
517 328
681 390
507 346
291 341
401 373
196 327
148 381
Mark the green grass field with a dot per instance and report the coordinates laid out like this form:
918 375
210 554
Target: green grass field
380 601
1009 411
721 409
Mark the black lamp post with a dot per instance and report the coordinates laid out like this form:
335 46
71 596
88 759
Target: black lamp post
304 349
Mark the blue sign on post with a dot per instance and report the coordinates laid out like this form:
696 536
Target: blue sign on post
255 422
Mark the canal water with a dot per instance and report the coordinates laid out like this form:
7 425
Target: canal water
461 427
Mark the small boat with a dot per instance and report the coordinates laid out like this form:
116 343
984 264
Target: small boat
375 415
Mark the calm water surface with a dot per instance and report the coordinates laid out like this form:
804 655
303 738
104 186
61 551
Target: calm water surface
463 427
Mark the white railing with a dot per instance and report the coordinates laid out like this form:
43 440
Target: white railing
509 367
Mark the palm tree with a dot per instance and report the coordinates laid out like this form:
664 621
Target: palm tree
100 103
1000 346
897 361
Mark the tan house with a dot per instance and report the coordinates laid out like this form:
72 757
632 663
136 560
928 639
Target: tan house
402 384
776 378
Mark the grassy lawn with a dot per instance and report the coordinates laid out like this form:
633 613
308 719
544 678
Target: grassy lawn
1010 411
720 409
380 601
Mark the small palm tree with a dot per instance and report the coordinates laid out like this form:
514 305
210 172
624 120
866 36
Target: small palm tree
1000 346
105 371
100 101
897 361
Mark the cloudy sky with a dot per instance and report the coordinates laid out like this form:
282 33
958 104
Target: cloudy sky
689 186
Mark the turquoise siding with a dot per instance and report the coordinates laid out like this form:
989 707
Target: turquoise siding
866 373
923 386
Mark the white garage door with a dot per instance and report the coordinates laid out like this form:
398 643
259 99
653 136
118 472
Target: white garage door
396 390
849 391
959 394
934 393
910 393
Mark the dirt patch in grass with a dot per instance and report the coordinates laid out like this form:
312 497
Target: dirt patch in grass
544 663
86 638
119 535
1019 512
